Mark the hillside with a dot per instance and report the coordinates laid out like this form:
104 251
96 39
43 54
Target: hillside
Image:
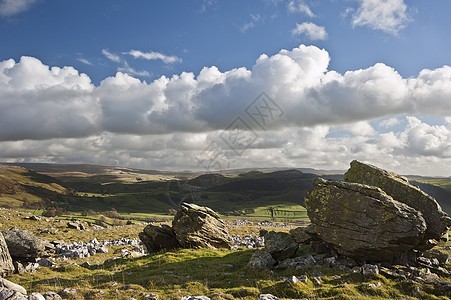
255 193
20 187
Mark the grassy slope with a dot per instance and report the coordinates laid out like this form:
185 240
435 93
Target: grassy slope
219 274
21 187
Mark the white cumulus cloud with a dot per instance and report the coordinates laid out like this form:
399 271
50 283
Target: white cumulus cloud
314 32
389 16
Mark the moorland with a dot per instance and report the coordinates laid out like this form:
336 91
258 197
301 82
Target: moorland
123 200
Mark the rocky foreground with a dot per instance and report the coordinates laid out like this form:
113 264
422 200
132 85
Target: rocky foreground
373 224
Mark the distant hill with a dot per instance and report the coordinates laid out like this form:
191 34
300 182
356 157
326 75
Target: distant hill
20 187
81 187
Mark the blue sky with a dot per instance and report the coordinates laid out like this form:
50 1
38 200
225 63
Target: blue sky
149 83
226 34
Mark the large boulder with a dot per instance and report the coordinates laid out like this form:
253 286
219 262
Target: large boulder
6 263
200 227
157 238
399 188
362 221
23 245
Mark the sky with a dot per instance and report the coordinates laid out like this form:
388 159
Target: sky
208 85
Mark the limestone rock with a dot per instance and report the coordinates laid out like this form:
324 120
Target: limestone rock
52 296
369 271
267 297
200 227
361 221
5 293
157 238
23 245
399 188
12 286
36 296
6 263
261 260
280 245
441 257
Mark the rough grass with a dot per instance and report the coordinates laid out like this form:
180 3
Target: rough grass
218 274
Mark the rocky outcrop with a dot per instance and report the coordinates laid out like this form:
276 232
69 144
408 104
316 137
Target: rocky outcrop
23 245
193 227
6 263
362 221
200 227
399 188
157 238
375 215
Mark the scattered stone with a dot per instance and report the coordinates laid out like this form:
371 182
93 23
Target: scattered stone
76 225
51 230
68 292
316 281
303 278
82 250
33 218
261 260
20 269
248 241
200 227
330 261
369 271
31 267
46 263
267 297
5 293
416 291
436 254
316 273
195 298
18 296
280 245
149 296
400 189
375 285
36 296
291 280
156 238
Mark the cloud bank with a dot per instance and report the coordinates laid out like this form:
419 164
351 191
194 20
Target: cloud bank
57 114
